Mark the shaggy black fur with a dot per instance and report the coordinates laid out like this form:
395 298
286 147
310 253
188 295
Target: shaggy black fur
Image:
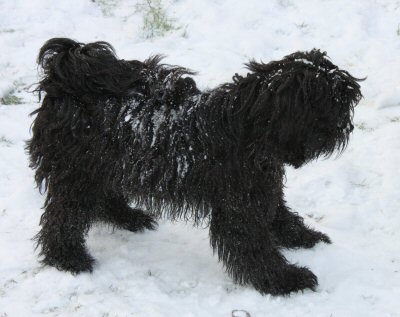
111 132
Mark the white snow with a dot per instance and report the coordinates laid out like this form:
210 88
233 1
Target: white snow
172 272
157 120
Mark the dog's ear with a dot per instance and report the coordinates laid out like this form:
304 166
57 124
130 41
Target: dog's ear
297 98
304 104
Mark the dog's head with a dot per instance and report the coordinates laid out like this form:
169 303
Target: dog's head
300 107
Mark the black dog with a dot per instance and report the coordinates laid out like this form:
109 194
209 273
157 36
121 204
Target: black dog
112 132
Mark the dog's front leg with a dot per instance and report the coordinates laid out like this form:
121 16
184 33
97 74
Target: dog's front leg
244 244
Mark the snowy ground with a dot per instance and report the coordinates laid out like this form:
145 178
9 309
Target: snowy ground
172 272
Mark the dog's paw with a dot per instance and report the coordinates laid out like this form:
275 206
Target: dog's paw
305 238
315 237
80 262
295 234
309 238
299 279
139 221
292 279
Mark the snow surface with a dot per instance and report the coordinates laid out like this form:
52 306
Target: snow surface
172 272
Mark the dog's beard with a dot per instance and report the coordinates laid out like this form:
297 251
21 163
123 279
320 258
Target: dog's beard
320 144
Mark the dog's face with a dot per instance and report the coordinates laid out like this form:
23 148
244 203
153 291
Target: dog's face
302 106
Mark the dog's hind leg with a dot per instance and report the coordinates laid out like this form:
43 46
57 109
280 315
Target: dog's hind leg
245 246
289 230
118 213
64 223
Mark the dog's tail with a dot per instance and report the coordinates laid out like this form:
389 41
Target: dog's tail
85 70
74 76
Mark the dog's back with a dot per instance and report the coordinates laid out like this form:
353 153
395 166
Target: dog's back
114 124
